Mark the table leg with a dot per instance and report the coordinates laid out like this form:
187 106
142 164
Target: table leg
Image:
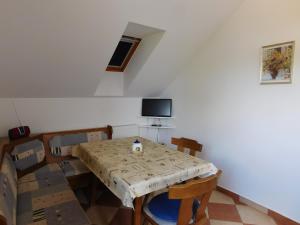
137 217
93 188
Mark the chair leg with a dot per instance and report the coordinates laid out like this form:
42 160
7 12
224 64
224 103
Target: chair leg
202 221
146 222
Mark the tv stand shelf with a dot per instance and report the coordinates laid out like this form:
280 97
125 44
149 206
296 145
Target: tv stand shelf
157 124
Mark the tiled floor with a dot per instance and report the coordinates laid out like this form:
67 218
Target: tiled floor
221 210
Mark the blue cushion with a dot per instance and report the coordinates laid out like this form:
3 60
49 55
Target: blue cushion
168 209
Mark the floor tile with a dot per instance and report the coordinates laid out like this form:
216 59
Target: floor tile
207 223
221 211
221 222
225 212
101 215
123 217
252 216
254 205
218 197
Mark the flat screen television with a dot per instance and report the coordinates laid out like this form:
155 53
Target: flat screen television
155 107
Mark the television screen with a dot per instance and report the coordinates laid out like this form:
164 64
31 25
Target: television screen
157 107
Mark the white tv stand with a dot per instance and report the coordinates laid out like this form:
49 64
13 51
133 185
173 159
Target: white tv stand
157 123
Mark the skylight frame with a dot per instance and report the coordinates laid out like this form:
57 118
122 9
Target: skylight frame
135 42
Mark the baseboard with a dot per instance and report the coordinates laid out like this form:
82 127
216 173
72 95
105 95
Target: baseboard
280 219
234 196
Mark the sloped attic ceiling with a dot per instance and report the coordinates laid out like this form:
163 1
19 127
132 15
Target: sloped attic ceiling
60 48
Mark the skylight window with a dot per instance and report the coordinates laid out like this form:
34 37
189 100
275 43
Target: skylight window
123 53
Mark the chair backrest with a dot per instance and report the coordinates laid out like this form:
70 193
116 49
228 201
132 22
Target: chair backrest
59 145
183 143
200 189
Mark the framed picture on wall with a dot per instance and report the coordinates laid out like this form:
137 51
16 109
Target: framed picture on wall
277 63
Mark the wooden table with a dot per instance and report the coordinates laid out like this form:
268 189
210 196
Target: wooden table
131 176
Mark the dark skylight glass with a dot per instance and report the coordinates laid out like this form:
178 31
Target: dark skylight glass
123 53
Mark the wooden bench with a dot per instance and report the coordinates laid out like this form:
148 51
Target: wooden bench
59 146
35 178
43 195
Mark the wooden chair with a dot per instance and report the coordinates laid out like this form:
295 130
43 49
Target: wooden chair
183 143
186 196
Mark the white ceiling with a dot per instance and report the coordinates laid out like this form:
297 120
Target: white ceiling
60 48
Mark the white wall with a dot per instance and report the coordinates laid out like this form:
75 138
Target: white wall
250 131
71 113
111 84
54 114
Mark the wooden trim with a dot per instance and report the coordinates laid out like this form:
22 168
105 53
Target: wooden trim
283 43
3 142
106 129
280 219
2 151
234 196
135 44
113 69
47 136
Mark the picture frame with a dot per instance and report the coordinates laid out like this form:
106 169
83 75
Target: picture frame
277 63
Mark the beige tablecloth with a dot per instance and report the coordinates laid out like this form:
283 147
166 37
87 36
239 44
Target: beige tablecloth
129 175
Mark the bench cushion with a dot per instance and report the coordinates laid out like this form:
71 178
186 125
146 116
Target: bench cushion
44 197
8 190
73 167
62 145
28 154
42 173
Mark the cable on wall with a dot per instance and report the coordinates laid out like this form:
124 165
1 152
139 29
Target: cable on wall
16 112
